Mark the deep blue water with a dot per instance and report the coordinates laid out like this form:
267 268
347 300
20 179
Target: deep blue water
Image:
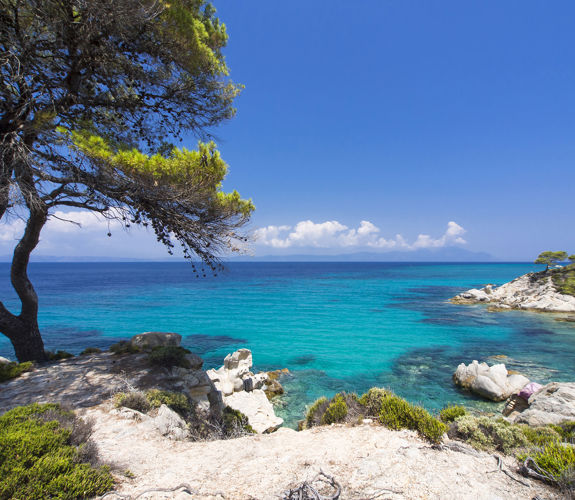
336 326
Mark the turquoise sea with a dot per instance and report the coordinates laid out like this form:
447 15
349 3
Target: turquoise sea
336 326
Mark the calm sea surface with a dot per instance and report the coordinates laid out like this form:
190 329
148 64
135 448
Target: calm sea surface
336 326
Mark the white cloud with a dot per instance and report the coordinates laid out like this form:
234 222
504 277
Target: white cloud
333 234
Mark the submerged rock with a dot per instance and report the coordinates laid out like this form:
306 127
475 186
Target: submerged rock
530 291
552 404
491 382
149 340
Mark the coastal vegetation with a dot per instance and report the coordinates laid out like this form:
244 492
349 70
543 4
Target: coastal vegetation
46 453
549 258
94 97
450 413
549 447
13 370
389 410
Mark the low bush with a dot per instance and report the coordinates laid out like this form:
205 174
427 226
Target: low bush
451 413
557 461
336 410
124 347
169 356
396 413
58 355
90 350
13 370
135 400
372 400
235 423
316 411
42 456
177 401
390 410
486 433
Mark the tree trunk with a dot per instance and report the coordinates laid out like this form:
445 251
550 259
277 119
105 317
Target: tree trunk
28 343
22 330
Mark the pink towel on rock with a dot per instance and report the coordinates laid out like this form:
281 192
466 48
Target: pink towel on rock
529 389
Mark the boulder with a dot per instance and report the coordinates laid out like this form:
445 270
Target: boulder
170 424
149 340
491 382
230 377
256 406
553 404
4 361
242 390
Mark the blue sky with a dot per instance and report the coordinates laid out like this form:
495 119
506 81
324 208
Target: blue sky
407 115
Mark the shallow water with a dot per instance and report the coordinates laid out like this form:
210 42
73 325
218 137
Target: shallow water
336 326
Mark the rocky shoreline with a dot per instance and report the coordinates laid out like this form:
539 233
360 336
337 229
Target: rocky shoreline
532 291
151 449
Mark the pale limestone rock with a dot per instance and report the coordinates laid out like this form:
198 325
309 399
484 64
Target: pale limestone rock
553 404
256 406
4 361
149 340
526 292
491 382
240 387
169 424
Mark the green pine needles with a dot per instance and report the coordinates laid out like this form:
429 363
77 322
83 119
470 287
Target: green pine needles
43 456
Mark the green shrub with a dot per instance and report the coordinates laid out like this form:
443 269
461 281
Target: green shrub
169 356
124 347
372 400
486 433
13 370
39 460
234 423
557 460
451 413
58 355
396 413
90 350
566 430
135 400
540 436
177 401
336 410
315 412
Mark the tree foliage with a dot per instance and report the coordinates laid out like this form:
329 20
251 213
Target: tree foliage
549 258
93 96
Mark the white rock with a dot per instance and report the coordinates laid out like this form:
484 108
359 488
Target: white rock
256 406
4 361
553 404
170 424
526 292
491 382
149 340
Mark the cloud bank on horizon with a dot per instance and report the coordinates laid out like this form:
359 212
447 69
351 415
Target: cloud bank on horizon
333 234
81 233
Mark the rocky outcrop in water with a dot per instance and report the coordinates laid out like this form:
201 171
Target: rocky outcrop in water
534 291
245 391
491 382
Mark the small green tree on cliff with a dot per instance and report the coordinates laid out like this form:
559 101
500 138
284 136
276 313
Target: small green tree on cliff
93 94
549 258
571 259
